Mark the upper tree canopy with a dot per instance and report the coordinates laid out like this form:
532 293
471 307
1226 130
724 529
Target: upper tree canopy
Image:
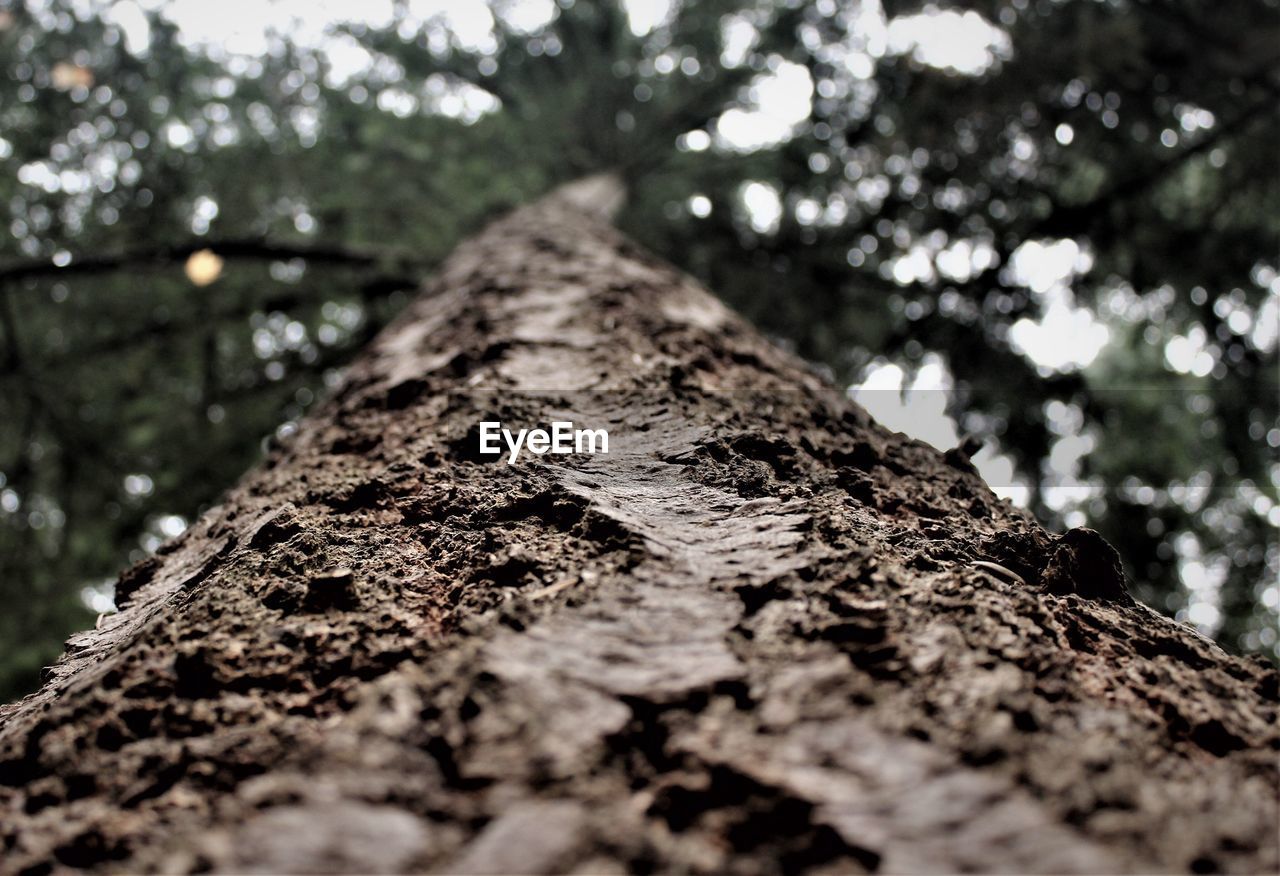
866 193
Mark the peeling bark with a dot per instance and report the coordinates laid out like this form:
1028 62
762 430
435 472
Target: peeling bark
763 634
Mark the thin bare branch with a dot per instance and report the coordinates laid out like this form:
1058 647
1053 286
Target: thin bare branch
165 254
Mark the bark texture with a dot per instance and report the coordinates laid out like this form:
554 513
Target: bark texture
762 634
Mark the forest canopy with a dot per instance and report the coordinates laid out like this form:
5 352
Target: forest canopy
1054 224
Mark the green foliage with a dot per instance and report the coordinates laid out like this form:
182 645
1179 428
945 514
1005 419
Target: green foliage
1144 131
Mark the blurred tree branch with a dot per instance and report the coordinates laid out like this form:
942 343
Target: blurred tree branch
1066 220
373 289
245 248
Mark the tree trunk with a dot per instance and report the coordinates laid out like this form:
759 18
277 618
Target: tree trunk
760 634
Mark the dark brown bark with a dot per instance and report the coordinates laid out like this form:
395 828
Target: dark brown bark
762 634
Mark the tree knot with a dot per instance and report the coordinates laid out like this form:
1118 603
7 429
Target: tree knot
1082 562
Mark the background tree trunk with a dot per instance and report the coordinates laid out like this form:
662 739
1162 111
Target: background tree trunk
761 634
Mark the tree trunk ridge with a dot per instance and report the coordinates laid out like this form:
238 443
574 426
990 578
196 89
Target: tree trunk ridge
761 634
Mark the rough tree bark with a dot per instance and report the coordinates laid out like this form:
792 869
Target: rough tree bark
761 634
